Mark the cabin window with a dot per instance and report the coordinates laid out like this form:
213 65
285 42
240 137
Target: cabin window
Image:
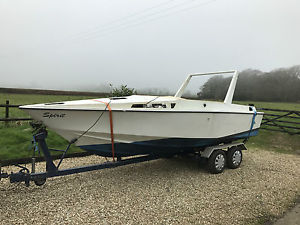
117 98
54 103
139 106
155 105
159 105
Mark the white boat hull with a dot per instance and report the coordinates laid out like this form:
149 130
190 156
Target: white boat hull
146 131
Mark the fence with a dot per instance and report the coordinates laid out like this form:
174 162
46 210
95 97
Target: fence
7 106
274 119
287 121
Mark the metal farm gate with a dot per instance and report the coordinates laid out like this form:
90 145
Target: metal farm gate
286 121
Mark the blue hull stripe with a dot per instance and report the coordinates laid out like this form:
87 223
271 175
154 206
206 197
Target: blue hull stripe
162 146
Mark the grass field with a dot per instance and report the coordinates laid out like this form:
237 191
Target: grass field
24 99
272 105
15 138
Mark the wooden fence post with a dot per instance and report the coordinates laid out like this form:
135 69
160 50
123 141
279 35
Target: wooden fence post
6 111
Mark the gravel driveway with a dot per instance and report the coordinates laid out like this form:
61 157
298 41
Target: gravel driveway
164 191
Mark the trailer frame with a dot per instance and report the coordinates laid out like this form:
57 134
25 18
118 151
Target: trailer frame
39 178
52 170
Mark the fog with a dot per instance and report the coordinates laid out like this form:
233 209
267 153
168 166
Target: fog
87 45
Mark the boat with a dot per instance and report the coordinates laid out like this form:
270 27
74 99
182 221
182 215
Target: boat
143 124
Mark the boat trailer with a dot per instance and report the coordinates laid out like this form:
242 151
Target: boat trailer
52 170
217 156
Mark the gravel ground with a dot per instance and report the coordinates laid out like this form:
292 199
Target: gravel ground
291 217
164 191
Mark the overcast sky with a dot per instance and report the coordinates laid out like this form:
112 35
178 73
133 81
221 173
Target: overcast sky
66 44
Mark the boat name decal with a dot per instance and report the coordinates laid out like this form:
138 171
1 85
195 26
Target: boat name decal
53 115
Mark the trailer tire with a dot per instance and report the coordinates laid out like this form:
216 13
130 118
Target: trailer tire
234 157
216 162
40 181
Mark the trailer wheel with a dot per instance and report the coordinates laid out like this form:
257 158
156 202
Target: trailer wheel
234 158
40 181
217 161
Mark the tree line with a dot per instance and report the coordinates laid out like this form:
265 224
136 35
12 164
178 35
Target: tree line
281 85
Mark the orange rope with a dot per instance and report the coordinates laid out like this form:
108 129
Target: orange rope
111 128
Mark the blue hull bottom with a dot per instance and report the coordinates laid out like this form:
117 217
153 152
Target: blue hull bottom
162 147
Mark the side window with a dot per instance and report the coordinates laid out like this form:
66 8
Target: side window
160 105
154 105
